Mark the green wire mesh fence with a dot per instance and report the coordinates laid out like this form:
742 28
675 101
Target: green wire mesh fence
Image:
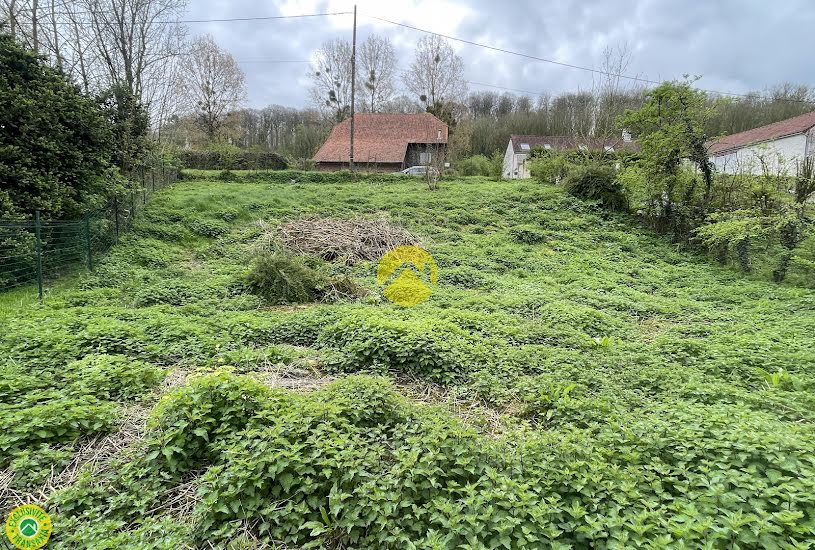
37 251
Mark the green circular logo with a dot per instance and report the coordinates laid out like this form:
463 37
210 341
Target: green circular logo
28 527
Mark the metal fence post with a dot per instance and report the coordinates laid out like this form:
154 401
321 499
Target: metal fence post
116 215
88 241
38 237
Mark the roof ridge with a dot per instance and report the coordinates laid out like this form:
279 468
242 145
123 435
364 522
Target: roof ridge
793 126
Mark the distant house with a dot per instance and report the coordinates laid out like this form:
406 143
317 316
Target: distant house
516 157
775 148
384 142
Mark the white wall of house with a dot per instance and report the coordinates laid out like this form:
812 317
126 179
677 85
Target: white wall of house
515 165
779 156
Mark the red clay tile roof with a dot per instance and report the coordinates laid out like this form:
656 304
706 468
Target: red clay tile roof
790 127
381 137
567 143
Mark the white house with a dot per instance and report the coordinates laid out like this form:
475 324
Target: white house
774 149
516 157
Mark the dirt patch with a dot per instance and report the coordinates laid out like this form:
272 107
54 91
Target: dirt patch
299 376
652 327
488 420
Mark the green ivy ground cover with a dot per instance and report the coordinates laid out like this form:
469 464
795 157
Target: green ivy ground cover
646 397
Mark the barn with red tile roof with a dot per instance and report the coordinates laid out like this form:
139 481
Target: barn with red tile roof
384 142
777 147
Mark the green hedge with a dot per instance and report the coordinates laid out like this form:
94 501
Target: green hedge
232 160
299 176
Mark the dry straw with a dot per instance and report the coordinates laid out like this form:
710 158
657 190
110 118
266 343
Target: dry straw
349 241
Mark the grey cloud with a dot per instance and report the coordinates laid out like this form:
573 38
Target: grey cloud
736 45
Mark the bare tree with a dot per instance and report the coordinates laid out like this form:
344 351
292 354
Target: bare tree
331 79
134 40
611 94
377 61
436 75
403 104
211 83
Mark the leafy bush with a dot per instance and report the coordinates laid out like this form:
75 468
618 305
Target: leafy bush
366 401
175 293
527 234
112 377
33 466
147 534
282 278
478 165
207 228
551 168
55 157
232 159
464 277
597 183
188 424
413 347
59 420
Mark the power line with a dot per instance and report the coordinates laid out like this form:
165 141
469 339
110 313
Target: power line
267 18
449 37
573 66
273 61
502 88
44 14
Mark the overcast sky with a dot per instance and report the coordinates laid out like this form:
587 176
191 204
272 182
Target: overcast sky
735 45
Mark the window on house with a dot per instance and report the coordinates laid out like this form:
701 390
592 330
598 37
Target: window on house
524 147
425 158
438 134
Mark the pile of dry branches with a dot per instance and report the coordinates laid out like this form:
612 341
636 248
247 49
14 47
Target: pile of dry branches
350 241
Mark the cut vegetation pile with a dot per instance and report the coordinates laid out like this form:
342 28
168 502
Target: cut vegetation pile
350 241
572 382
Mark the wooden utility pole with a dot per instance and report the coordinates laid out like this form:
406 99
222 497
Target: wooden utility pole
353 87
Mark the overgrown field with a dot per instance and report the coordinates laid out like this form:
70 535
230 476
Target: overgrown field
573 381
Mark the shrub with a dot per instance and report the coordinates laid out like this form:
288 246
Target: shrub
173 292
232 159
56 154
416 347
366 401
282 278
188 424
527 234
112 377
464 277
551 168
597 183
207 228
52 421
149 533
33 466
478 165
